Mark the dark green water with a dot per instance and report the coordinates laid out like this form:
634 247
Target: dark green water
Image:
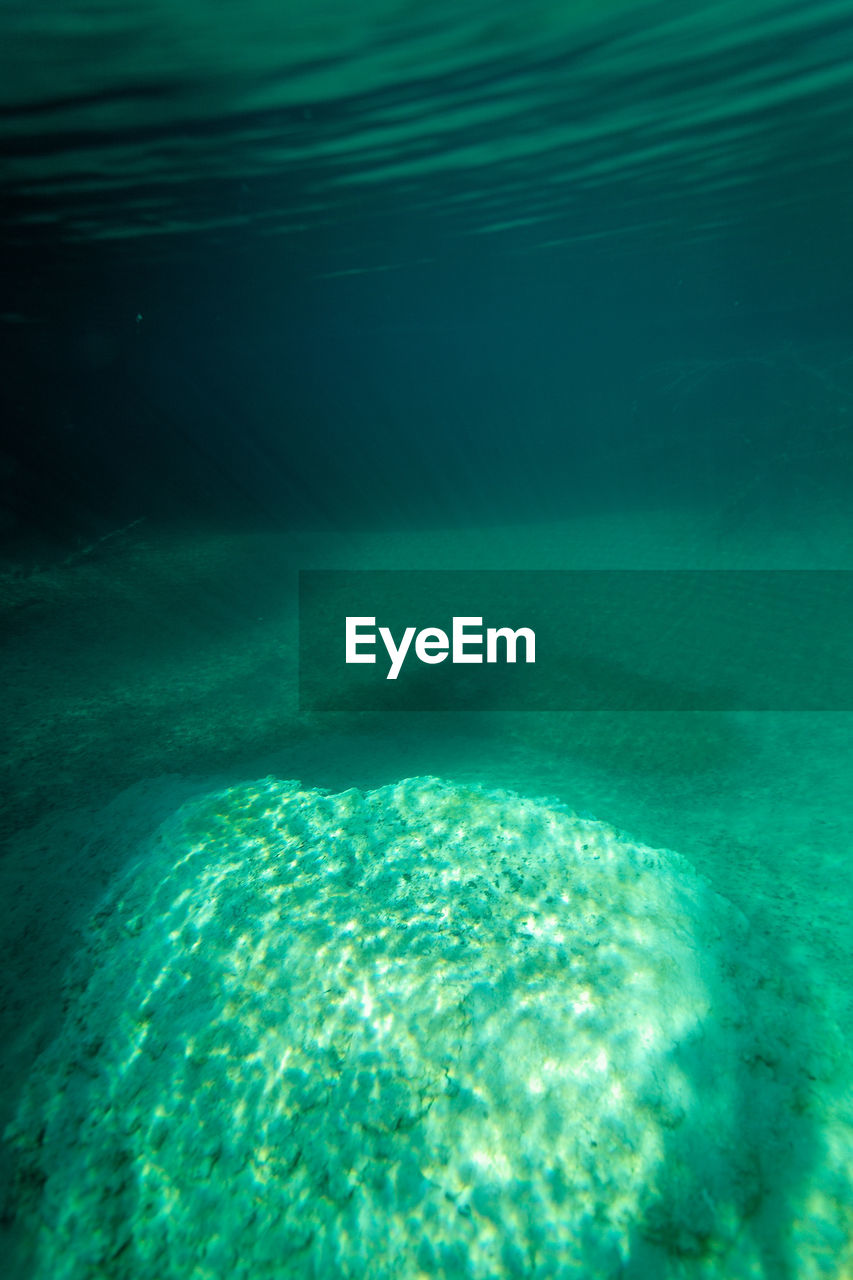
372 286
382 265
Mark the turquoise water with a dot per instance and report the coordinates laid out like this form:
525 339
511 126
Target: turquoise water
487 992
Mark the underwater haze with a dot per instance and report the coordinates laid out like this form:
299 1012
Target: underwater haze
306 978
364 264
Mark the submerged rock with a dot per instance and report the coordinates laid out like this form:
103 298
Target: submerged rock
428 1030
